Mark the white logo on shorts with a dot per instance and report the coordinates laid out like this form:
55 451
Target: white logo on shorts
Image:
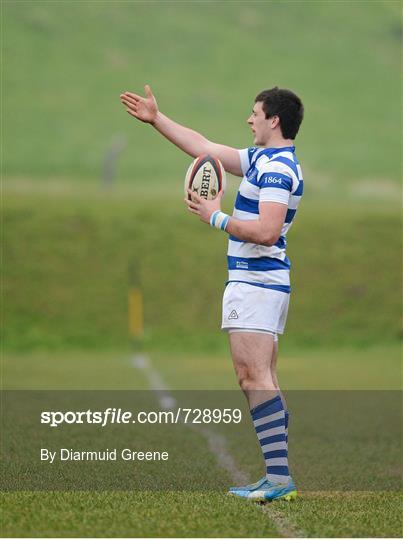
233 315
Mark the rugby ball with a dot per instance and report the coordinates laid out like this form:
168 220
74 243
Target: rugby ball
206 177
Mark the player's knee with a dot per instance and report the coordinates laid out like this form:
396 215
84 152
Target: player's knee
247 382
242 373
250 380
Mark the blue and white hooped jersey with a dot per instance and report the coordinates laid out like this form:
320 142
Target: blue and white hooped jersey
270 175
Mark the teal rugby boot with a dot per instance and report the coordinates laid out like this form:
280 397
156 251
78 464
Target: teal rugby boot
263 490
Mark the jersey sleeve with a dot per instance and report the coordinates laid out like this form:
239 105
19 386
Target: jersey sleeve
246 155
275 185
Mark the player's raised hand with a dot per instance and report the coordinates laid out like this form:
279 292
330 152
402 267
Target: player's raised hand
142 108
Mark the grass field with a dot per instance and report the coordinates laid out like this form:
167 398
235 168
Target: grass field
67 260
72 248
320 513
63 241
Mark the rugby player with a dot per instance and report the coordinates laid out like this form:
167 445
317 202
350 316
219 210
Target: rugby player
257 293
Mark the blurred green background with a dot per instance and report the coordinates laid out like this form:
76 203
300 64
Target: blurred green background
69 238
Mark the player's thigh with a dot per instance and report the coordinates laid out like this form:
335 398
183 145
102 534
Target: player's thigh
252 353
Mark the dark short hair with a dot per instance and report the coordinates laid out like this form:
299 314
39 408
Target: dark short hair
284 104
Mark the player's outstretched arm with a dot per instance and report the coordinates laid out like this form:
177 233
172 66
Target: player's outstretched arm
193 143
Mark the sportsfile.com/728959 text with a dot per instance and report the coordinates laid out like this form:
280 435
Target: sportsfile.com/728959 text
113 415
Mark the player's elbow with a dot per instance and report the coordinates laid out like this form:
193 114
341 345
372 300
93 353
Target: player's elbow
269 238
270 241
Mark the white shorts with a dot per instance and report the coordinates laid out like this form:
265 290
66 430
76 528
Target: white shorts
247 307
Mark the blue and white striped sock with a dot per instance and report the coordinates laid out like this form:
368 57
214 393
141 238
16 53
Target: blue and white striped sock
287 416
269 421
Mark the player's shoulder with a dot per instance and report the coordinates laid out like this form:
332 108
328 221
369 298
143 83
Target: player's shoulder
283 162
279 169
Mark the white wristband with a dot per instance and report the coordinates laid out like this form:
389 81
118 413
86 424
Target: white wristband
219 220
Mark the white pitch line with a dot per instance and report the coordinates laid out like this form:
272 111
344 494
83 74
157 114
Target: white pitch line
166 400
216 442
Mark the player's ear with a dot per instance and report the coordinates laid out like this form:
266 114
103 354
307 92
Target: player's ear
275 121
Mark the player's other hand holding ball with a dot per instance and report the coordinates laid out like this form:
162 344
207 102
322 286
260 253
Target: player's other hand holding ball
144 109
202 207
